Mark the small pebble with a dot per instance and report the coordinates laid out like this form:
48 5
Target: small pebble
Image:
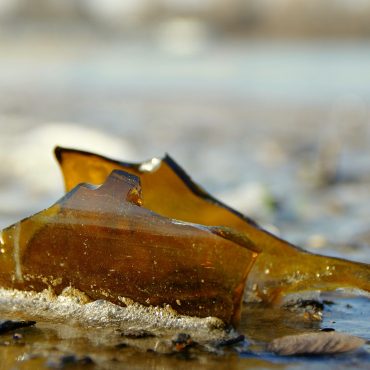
182 341
321 343
17 336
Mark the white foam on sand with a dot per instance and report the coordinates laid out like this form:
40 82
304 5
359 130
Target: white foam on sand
73 307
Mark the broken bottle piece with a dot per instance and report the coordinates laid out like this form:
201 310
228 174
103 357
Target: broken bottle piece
280 269
100 240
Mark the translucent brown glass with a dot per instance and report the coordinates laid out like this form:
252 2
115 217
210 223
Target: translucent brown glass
280 269
101 241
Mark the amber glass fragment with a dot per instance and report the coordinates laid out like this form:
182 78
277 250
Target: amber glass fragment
280 269
102 242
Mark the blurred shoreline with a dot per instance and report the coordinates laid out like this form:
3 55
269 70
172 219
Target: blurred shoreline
291 19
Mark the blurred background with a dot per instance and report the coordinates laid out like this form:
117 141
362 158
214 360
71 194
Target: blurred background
264 102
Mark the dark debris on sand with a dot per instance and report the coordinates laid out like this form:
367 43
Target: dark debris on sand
9 325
